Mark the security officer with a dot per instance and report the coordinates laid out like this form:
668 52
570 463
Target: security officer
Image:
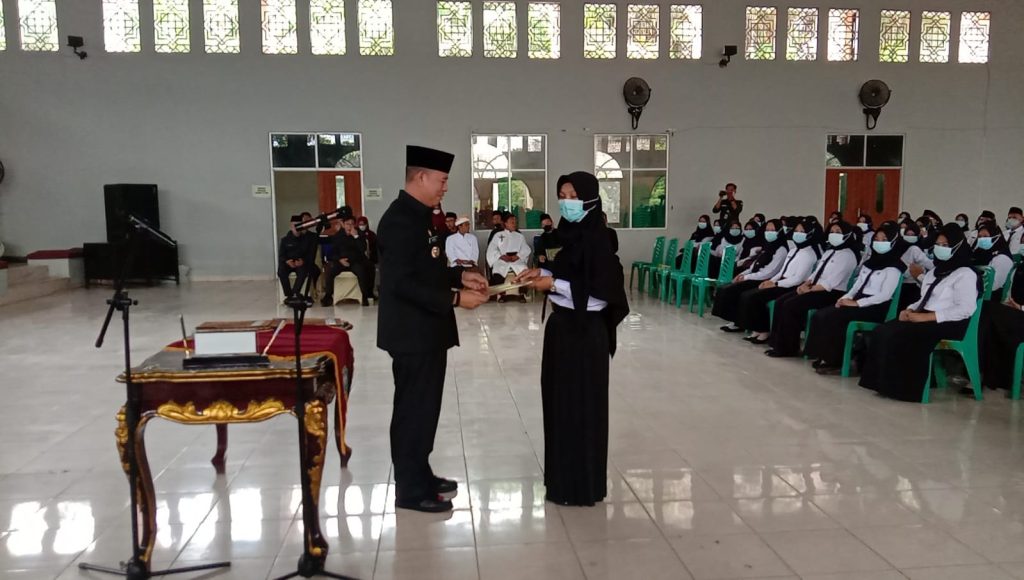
416 324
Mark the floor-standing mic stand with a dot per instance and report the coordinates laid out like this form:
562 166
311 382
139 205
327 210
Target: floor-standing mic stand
136 568
308 564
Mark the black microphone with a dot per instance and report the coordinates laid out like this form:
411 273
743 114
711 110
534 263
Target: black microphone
324 219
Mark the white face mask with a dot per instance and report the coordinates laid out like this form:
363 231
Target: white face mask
362 228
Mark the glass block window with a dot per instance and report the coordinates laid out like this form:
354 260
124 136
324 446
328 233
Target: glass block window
171 27
455 29
632 171
500 32
121 26
509 174
220 26
935 36
642 38
327 26
686 31
599 30
278 22
544 20
843 32
37 20
974 27
894 36
3 29
760 37
802 34
376 28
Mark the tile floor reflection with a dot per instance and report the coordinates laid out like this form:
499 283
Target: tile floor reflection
724 463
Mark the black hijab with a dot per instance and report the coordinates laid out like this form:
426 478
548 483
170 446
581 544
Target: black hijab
851 238
934 217
912 229
962 254
769 248
728 237
751 244
894 257
586 260
815 237
699 235
984 257
967 221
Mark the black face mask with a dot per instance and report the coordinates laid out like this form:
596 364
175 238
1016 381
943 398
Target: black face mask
548 228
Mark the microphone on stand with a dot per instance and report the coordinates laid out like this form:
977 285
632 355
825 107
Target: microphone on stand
139 224
323 220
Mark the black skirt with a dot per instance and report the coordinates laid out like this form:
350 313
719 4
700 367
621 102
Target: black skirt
909 294
752 313
791 318
898 354
1000 331
574 393
828 330
727 299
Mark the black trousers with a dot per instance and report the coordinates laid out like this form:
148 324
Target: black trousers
1000 331
828 330
363 270
752 313
791 318
896 364
301 274
909 294
419 386
727 299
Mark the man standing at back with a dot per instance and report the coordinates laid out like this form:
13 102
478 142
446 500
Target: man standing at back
416 323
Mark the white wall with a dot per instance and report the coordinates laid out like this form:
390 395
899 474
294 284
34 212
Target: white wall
197 124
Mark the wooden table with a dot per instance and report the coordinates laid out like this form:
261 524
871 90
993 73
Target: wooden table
223 396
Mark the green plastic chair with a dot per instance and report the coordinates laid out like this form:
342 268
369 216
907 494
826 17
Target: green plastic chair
700 286
985 271
685 264
650 273
967 348
861 326
680 279
1008 285
657 255
1018 363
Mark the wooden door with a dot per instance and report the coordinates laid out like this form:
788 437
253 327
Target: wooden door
330 188
856 191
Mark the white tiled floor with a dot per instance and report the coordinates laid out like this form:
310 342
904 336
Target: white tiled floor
724 463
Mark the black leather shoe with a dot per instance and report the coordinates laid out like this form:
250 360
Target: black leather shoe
755 340
430 505
818 364
829 371
728 328
327 302
442 485
775 354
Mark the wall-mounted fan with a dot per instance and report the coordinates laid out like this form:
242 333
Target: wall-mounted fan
637 93
874 95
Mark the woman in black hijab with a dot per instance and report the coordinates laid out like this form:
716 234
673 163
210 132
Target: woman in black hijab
767 263
731 235
588 299
992 250
867 301
753 243
702 233
897 360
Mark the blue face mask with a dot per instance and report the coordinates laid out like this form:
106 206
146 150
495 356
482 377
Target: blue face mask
799 237
734 232
863 227
771 236
943 253
702 225
717 229
835 240
986 243
572 209
881 247
749 234
910 239
1012 223
961 223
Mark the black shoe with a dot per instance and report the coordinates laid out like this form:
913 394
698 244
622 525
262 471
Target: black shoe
730 328
755 340
442 485
327 301
366 302
430 505
775 354
829 371
818 364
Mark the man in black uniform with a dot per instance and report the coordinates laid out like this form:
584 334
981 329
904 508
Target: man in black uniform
293 256
416 324
348 253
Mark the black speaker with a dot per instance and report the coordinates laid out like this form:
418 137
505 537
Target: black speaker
122 199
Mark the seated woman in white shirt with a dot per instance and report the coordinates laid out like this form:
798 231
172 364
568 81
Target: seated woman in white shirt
732 236
508 254
897 359
867 301
753 243
991 249
768 262
866 227
822 288
752 312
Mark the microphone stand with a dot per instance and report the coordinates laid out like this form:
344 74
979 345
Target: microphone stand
137 567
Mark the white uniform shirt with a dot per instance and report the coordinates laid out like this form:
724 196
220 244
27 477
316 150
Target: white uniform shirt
1014 239
881 285
561 295
834 269
719 251
796 267
502 243
462 247
915 255
955 296
770 269
1002 264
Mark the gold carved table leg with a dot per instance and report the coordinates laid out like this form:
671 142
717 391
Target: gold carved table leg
144 484
316 446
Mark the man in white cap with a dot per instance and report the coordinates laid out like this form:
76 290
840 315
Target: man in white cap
462 247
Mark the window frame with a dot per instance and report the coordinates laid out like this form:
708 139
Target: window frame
474 196
632 168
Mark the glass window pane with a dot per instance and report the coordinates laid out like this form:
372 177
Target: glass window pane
121 26
293 150
37 20
844 151
500 32
650 151
935 36
171 26
974 27
894 36
760 37
220 25
685 32
885 151
376 28
844 187
339 151
649 192
880 193
3 28
545 29
455 29
509 174
802 34
527 197
527 151
278 21
327 26
617 147
642 40
843 33
599 30
614 196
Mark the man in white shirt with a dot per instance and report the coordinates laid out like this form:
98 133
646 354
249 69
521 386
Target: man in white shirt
462 247
1014 229
508 254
